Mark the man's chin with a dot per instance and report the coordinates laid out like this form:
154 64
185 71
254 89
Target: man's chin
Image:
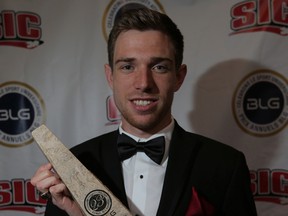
147 125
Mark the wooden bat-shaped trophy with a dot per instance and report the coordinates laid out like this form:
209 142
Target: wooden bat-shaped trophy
91 195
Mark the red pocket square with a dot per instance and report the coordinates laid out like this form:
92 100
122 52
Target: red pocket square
199 206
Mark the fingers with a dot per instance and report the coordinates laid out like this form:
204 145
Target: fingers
62 198
48 182
58 191
44 178
42 172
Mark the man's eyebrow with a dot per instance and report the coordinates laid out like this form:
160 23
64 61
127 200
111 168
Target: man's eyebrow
153 60
161 59
124 60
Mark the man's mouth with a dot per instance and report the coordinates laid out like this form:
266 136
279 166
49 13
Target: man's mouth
142 102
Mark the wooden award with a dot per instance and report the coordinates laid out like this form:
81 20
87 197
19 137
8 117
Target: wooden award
91 195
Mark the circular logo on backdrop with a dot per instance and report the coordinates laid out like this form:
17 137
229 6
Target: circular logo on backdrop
97 202
21 111
260 103
116 7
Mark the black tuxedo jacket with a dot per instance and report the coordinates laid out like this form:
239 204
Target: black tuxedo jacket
216 171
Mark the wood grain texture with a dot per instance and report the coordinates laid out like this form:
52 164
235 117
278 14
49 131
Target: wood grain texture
90 194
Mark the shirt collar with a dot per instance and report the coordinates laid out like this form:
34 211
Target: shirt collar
166 132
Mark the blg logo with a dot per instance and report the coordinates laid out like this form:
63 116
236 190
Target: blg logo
260 103
21 111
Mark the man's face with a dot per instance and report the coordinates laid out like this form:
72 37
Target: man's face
144 80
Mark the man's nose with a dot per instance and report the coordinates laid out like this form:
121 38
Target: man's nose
144 79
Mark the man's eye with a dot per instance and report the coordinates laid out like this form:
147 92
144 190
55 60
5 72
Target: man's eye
127 67
160 68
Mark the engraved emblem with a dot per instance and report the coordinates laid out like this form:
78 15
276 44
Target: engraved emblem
97 202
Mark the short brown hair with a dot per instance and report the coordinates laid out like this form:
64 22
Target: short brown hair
145 19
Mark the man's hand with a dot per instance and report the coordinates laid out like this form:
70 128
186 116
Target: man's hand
45 179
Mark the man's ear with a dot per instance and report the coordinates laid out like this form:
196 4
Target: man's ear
180 76
109 75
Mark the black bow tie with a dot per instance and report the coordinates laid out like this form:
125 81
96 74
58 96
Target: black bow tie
154 148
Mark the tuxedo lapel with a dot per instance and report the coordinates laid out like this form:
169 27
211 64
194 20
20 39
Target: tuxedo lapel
179 168
112 164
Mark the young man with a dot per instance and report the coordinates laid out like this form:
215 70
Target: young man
194 175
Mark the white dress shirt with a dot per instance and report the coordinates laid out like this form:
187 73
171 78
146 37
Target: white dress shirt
143 178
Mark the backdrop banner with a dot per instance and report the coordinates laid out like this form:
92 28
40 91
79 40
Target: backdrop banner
52 56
